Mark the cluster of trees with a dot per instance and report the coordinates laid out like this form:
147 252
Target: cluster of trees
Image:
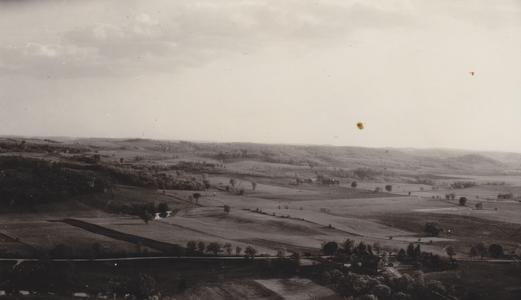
322 179
197 248
41 276
462 184
26 181
235 187
50 147
145 211
433 229
368 173
481 250
355 286
427 260
424 181
462 200
506 196
363 257
148 211
152 179
387 187
85 158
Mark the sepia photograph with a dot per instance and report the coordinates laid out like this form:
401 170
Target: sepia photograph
260 149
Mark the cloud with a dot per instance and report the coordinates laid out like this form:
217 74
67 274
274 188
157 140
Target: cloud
170 35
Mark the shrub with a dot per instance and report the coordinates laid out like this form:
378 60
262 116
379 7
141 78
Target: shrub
480 249
213 248
450 251
347 246
143 286
250 252
329 248
191 246
432 229
381 291
462 184
227 209
201 246
436 287
495 250
505 196
228 248
462 201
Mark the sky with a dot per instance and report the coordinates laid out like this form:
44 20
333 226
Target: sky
422 74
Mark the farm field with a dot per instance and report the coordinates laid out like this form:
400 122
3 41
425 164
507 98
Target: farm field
298 288
289 204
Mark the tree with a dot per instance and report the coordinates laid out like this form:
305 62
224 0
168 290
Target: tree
347 246
162 209
432 229
227 209
253 185
480 249
354 184
410 250
281 253
228 248
401 255
146 216
213 248
196 197
201 246
238 250
250 252
329 248
207 183
479 206
232 182
495 250
362 249
381 291
417 251
143 286
462 201
473 252
191 246
377 247
450 251
436 287
388 187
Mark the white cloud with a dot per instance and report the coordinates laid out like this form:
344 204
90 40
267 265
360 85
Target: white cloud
174 35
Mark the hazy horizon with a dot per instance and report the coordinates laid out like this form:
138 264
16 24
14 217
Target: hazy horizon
418 74
174 140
